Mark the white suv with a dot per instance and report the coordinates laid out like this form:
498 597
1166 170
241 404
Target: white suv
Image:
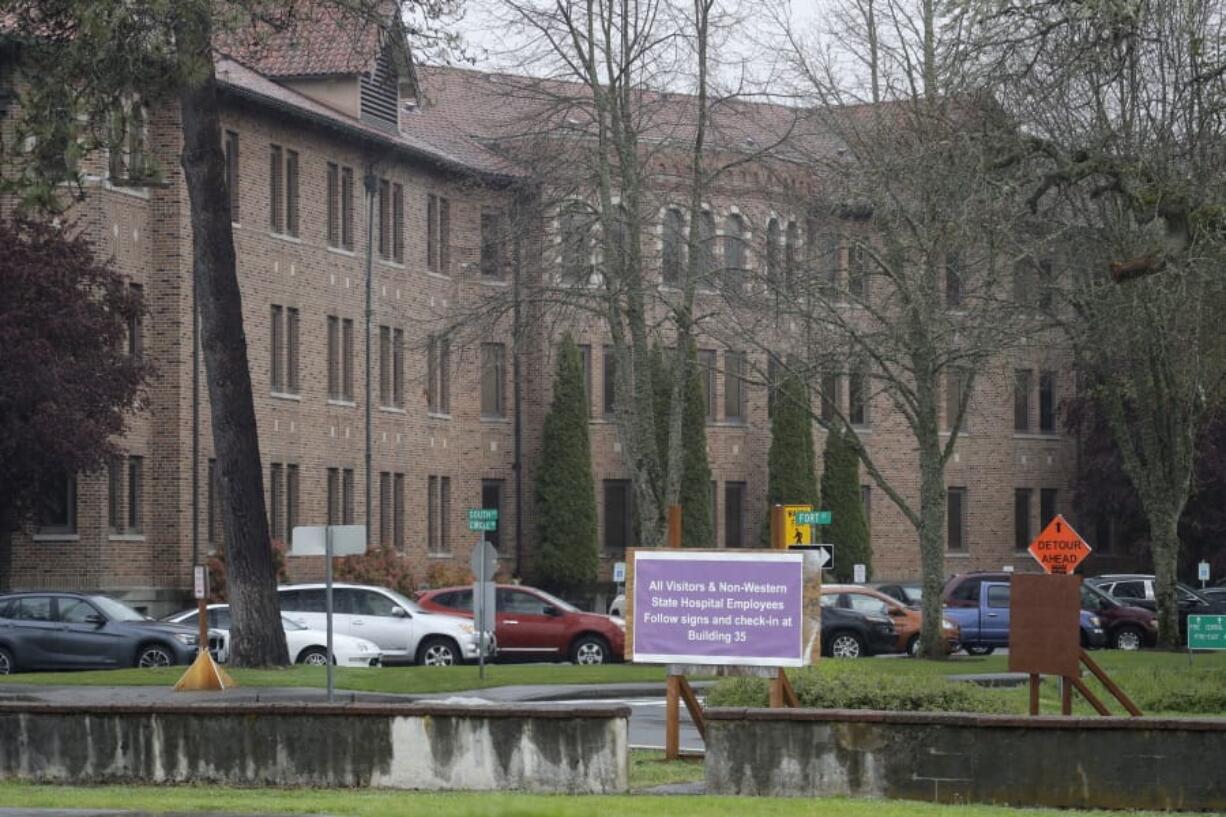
403 631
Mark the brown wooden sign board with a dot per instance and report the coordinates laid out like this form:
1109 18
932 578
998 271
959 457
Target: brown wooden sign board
1045 625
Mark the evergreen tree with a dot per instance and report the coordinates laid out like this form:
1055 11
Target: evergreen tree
694 495
567 556
792 478
848 530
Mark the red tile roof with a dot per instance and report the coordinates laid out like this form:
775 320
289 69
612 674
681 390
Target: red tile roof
311 41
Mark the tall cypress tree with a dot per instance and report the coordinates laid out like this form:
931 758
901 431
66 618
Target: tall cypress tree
695 490
567 551
792 475
848 530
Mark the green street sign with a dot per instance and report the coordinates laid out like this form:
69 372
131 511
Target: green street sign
484 519
813 518
1207 632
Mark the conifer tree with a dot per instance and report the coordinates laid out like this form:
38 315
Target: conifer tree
848 529
792 478
695 493
567 555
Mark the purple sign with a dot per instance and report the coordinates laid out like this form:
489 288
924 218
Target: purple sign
716 608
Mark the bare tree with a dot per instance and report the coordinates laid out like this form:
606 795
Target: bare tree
1124 138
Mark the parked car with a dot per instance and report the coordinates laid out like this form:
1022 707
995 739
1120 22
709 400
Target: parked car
1137 589
617 608
403 631
848 634
1127 627
979 604
1215 594
909 593
306 646
907 621
54 630
530 623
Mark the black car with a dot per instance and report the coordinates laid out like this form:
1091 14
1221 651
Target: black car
848 634
52 631
1137 589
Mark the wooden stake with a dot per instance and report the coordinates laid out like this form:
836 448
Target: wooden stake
789 694
674 526
778 528
776 691
1034 693
1111 686
1090 696
672 718
1066 696
695 708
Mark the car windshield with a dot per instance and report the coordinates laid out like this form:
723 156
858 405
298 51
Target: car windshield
290 624
404 601
1094 599
116 610
557 602
913 592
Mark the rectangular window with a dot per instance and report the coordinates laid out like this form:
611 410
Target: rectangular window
1023 283
857 272
438 234
114 494
444 514
866 499
1047 506
830 397
333 204
136 324
231 151
291 499
734 514
398 512
956 384
857 395
734 386
213 505
57 506
385 366
1022 380
706 368
492 245
347 497
385 508
347 207
953 281
713 498
491 497
398 223
1046 286
334 496
585 355
432 514
609 360
1047 402
398 368
955 520
438 375
347 359
773 376
291 350
291 192
1021 518
432 232
618 516
385 219
277 357
334 358
136 488
276 189
276 499
493 378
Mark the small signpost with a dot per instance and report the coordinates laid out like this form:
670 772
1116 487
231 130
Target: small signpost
203 673
1207 632
859 574
484 564
793 525
328 541
619 572
1202 573
1059 548
823 555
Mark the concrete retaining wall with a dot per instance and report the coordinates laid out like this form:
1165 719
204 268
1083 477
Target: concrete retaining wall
418 746
1124 763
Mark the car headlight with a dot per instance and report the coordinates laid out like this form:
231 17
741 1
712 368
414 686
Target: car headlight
467 628
620 623
187 639
947 624
1096 621
362 647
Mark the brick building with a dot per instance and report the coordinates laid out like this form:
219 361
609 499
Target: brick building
453 413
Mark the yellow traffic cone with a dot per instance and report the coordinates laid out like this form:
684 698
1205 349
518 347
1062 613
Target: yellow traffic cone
204 674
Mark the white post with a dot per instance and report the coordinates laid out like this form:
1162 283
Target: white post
328 599
479 610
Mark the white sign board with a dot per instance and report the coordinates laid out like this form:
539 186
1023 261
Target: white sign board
200 582
310 540
1202 571
619 572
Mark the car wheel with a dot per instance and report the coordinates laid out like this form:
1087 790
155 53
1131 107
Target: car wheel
1127 638
438 652
979 650
7 665
313 657
589 649
846 645
154 655
913 646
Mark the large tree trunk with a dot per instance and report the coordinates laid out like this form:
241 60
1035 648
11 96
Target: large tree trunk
1164 531
932 543
256 637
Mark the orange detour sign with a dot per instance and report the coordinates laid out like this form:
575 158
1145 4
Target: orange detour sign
1059 548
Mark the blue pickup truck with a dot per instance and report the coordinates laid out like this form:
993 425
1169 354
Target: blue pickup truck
979 605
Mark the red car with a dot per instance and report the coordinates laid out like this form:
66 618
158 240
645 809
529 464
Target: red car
530 623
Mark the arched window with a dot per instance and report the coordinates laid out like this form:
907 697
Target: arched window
734 253
673 256
791 256
574 224
772 254
706 248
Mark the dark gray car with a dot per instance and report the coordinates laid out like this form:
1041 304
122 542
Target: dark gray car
46 631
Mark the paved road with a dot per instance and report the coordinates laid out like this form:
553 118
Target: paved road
647 723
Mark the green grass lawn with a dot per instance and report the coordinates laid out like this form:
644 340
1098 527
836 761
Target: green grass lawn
373 803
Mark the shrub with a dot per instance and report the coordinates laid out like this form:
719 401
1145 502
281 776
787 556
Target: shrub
1192 691
383 567
832 688
447 574
217 571
848 529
